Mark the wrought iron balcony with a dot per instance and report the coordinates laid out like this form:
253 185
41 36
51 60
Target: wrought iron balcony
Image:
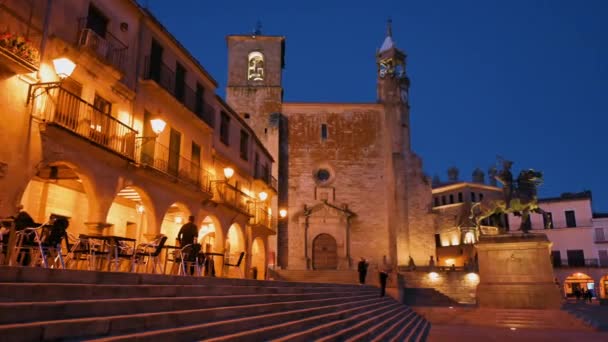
53 104
164 76
160 157
233 197
263 173
261 217
109 48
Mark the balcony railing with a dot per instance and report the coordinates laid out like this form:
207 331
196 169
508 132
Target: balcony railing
260 216
263 173
109 48
164 76
228 194
160 157
576 263
53 104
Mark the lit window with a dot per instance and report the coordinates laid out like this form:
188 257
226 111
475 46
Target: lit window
255 69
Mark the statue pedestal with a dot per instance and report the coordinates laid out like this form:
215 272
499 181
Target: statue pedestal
515 271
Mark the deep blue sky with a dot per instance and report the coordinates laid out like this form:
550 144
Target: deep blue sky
527 80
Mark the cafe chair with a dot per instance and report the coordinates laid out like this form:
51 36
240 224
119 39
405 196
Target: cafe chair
149 252
237 265
188 259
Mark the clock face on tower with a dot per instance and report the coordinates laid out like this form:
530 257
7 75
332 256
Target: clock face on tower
386 67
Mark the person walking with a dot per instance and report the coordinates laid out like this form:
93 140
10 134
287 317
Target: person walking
188 235
362 269
384 271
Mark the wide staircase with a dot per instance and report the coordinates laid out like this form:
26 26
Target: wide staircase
58 305
507 318
426 297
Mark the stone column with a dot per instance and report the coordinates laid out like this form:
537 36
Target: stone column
515 272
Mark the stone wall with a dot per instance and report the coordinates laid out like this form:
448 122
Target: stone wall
420 218
354 154
459 286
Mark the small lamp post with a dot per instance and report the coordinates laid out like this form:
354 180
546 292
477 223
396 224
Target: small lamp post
64 67
228 173
282 213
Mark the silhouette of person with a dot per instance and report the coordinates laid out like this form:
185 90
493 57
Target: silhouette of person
188 233
384 271
362 269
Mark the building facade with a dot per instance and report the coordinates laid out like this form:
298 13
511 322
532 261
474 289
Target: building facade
579 253
347 175
134 140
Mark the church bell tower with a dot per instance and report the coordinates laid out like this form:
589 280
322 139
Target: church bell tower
393 90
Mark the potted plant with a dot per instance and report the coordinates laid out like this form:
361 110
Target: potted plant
20 46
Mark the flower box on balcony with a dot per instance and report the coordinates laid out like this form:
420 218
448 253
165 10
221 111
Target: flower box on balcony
17 54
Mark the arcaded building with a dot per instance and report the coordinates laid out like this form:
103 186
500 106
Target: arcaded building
347 174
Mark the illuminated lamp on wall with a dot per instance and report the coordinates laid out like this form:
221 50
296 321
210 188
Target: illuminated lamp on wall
64 67
263 196
228 172
283 213
434 276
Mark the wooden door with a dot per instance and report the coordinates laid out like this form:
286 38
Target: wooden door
324 253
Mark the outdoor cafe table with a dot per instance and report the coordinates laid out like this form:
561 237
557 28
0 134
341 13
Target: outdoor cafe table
113 243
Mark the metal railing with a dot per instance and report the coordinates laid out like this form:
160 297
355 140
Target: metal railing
51 103
260 216
109 48
263 173
228 194
164 76
594 262
151 153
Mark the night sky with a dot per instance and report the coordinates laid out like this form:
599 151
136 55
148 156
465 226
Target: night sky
526 80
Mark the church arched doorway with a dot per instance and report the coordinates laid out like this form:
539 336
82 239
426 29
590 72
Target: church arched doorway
324 252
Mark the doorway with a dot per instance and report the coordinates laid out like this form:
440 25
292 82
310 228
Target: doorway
324 253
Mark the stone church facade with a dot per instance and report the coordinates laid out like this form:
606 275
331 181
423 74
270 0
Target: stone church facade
347 175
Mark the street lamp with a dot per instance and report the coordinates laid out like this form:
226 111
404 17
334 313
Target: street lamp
63 67
228 172
283 213
158 126
263 196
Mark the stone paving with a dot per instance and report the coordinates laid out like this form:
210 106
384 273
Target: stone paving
440 333
593 313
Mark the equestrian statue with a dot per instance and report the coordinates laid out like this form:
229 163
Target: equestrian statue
519 198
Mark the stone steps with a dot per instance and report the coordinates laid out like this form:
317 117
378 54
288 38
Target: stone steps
44 305
426 297
46 311
509 318
16 292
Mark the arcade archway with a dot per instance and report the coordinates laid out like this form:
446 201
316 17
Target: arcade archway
175 217
233 246
576 282
58 190
258 259
129 213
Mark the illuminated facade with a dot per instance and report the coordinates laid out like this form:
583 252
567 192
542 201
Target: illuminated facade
348 177
134 140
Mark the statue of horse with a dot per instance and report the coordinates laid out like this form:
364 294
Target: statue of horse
520 200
